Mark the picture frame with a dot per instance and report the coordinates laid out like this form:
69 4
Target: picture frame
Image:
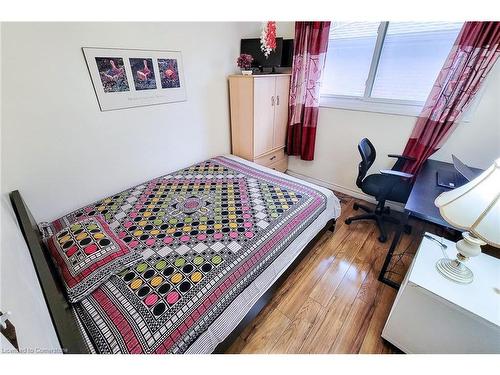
127 78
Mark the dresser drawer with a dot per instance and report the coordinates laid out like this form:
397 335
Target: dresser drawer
271 157
280 165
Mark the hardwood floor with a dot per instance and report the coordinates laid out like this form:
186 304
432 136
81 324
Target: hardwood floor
332 302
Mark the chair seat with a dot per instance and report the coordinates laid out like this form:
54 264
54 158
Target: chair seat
375 184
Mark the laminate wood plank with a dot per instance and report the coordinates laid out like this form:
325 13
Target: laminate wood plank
259 320
323 334
406 249
301 271
371 287
265 334
373 342
237 346
353 331
242 341
298 329
325 288
300 283
324 252
302 287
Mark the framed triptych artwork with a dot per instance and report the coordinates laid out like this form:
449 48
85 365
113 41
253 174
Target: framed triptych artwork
125 78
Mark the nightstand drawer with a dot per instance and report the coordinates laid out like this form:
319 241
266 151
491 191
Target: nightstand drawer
271 157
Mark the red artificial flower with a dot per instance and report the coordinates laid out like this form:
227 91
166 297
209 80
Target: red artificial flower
271 35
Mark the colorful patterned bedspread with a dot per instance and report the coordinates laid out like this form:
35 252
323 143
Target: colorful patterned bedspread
205 232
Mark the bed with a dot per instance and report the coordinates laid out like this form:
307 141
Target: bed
216 239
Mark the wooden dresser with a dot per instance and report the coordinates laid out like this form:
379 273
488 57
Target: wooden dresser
259 118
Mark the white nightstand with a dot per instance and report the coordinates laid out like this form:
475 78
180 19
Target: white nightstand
434 315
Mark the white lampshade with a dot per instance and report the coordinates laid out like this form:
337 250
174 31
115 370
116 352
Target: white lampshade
475 206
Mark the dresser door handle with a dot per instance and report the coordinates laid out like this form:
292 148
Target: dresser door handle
277 100
273 157
272 100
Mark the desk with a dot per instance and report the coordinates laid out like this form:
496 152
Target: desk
420 204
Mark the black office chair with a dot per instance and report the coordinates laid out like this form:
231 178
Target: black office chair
390 184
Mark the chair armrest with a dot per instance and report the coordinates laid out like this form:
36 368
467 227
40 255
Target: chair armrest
409 158
396 173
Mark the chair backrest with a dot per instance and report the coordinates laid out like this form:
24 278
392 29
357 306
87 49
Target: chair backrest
368 154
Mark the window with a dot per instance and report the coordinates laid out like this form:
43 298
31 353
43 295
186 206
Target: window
385 66
348 59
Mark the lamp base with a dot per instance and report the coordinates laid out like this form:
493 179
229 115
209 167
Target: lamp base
455 271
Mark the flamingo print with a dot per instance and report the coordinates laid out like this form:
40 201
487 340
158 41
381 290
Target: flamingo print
169 73
144 73
113 73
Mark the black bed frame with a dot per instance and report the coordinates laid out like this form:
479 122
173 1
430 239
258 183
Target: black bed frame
62 317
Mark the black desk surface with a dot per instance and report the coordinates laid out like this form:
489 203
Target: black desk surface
425 190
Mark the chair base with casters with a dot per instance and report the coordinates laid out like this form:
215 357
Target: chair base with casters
380 214
389 184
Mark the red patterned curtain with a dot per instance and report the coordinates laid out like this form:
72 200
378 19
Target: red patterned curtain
310 44
469 62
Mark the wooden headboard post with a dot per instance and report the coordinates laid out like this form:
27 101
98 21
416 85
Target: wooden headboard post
65 325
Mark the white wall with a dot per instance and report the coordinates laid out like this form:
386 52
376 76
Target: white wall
285 30
336 157
19 288
61 152
20 291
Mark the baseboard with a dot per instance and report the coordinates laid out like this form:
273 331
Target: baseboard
345 190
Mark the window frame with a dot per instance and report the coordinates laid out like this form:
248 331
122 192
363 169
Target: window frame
366 102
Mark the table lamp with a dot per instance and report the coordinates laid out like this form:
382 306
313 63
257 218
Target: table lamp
475 208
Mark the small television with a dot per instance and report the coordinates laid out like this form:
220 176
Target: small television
252 47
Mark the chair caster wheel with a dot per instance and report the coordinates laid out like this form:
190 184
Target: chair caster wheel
382 239
348 221
355 206
408 229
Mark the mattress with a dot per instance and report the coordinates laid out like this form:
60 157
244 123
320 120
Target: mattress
214 237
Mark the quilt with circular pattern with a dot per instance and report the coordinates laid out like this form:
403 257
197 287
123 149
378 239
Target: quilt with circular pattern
205 233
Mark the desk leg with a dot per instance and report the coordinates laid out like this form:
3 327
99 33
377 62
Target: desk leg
394 245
